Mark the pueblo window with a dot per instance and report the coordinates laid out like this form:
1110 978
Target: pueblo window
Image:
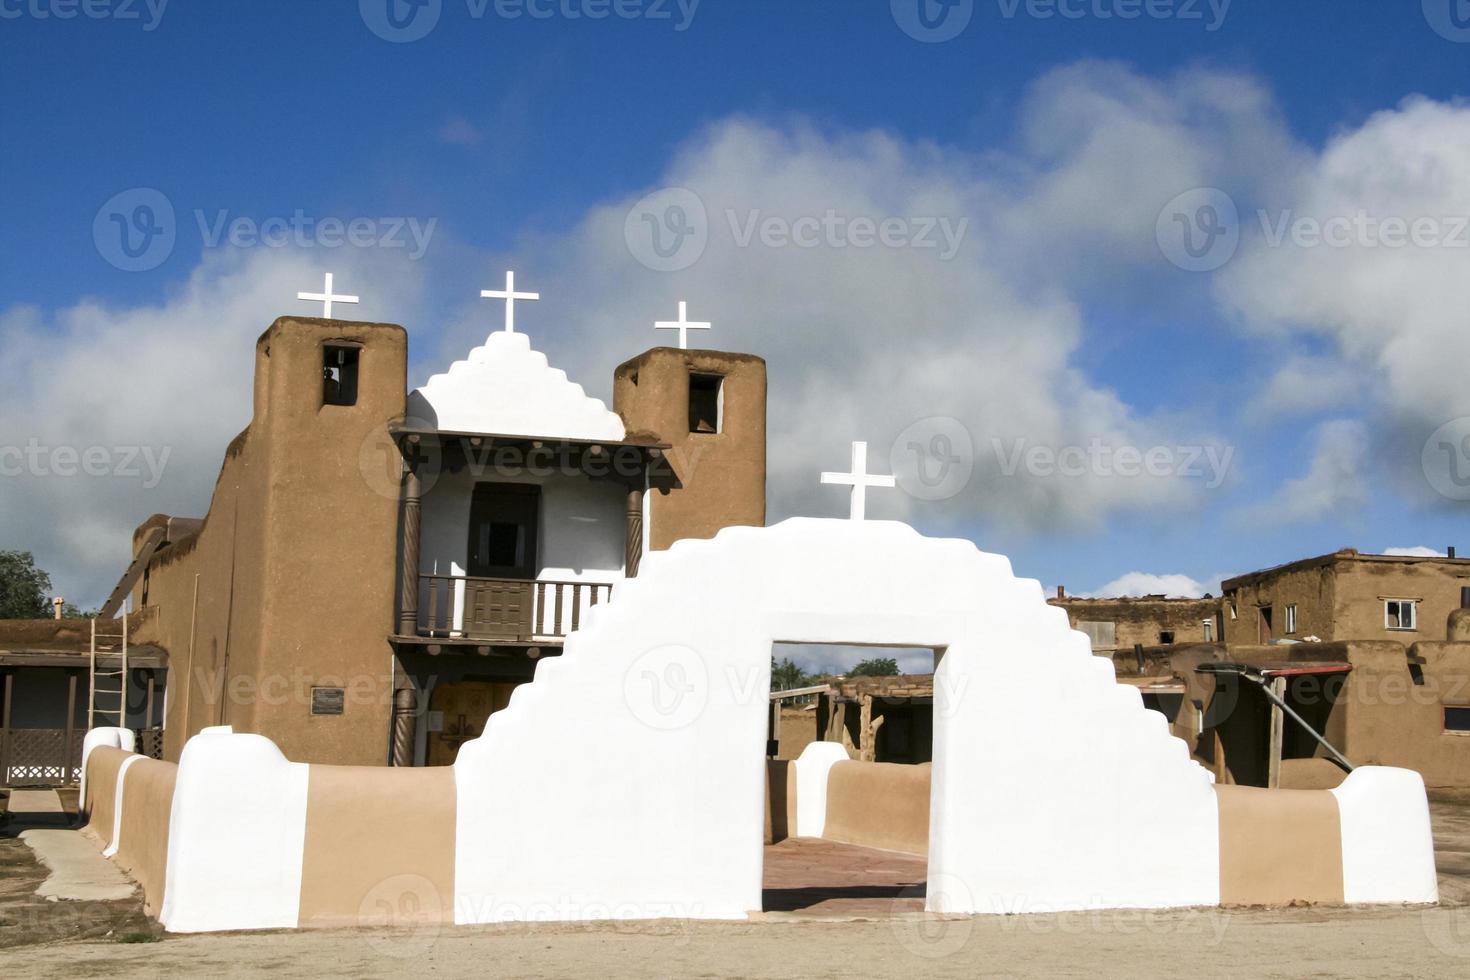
1400 614
705 402
1457 718
1291 619
339 374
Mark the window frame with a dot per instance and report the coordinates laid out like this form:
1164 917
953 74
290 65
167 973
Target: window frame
1290 619
1444 720
1413 607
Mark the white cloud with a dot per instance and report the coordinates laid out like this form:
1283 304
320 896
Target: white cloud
159 389
1393 314
1334 485
1418 551
863 342
1303 385
1135 584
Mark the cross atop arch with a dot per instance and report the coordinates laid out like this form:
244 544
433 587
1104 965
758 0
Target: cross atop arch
859 479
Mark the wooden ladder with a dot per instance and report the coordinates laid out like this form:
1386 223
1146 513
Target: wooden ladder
108 701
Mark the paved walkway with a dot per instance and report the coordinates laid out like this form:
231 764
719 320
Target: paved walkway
78 871
823 879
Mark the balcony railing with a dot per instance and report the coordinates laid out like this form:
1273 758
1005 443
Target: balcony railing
508 610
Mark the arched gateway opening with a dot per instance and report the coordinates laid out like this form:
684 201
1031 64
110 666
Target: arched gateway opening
628 780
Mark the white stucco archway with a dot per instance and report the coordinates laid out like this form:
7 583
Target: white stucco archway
628 779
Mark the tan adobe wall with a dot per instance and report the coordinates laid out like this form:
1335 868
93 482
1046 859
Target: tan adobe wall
720 477
780 800
1340 596
1376 715
1279 847
148 792
879 804
99 808
1363 585
379 846
296 561
1142 621
1310 589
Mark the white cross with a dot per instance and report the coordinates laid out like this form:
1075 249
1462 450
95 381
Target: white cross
683 325
859 479
510 296
326 298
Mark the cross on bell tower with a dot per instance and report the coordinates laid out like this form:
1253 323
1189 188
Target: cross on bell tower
326 297
683 325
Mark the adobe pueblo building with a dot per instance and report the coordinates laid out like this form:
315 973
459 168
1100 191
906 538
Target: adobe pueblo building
379 568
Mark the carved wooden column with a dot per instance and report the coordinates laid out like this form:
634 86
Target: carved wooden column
405 720
633 546
408 572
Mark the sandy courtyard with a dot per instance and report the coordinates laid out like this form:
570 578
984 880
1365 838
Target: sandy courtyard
831 911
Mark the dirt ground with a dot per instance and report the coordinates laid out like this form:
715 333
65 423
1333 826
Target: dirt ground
835 913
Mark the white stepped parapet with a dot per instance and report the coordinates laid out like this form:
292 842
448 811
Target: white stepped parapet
507 388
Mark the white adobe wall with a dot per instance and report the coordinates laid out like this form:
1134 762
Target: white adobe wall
505 387
628 781
653 724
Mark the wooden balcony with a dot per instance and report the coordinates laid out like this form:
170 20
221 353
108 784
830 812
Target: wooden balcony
504 610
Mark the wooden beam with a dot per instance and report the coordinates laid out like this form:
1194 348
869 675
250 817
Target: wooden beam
1273 758
119 595
71 720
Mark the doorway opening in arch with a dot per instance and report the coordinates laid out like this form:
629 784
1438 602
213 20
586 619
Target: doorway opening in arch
875 704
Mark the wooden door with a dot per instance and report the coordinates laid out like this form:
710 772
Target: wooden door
464 706
503 550
504 523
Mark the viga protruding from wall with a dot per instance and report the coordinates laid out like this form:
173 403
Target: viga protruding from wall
650 805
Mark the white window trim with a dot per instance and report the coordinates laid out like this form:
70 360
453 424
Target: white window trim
1291 618
1413 605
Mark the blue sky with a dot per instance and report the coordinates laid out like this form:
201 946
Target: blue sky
525 139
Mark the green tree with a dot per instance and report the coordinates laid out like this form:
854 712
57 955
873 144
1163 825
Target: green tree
23 587
877 667
787 676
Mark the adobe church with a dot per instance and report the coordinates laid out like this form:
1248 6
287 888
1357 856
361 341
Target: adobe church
379 568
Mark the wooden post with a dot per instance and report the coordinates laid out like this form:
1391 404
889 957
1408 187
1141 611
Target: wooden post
9 680
1273 759
71 720
408 572
405 717
633 546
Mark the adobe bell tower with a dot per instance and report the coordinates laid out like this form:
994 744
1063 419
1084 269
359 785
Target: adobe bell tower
710 407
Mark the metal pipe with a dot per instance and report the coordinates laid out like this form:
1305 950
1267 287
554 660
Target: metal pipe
1280 703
